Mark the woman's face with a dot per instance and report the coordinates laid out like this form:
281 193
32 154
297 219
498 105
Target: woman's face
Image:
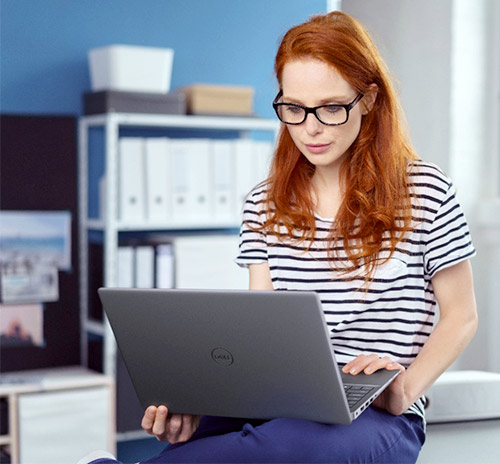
310 82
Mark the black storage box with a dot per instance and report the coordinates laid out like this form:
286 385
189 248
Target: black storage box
112 101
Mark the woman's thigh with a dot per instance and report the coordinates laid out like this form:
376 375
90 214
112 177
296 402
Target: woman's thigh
375 436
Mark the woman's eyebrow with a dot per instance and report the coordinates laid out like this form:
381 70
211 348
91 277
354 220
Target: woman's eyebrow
324 101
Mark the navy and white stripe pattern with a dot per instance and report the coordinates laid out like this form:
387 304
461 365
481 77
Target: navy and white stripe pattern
395 314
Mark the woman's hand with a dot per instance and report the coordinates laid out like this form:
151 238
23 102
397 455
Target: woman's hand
394 398
174 428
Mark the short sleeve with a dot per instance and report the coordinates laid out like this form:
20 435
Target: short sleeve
448 240
253 242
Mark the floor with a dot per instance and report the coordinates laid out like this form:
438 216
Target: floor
474 442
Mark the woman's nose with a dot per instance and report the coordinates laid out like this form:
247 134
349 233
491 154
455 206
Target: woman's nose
312 125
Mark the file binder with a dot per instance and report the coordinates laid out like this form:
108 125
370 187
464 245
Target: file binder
179 178
126 265
244 176
158 180
200 179
222 163
131 180
144 267
264 154
165 266
191 179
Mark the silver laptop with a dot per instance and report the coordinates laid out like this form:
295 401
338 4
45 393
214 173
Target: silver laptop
249 354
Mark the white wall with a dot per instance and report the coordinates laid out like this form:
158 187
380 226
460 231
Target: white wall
446 57
415 40
474 158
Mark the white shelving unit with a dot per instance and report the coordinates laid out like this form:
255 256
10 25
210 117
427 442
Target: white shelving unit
110 226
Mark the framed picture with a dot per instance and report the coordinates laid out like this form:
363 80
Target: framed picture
34 246
21 325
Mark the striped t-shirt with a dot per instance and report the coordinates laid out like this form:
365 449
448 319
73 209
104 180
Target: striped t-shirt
395 314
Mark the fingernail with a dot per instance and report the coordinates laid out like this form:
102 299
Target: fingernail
353 370
162 411
368 370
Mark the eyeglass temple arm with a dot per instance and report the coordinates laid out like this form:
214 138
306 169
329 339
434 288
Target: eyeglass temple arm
280 94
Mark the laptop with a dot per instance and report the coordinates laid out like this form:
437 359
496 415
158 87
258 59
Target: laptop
249 354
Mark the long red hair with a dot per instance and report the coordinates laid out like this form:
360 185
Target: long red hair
376 200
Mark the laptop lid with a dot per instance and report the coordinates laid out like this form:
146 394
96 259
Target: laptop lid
252 354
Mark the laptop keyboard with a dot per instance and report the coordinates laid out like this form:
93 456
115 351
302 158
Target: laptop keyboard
355 393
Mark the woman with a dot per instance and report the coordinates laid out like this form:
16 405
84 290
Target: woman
350 212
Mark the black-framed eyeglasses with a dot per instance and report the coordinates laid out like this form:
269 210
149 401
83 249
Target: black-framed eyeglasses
330 115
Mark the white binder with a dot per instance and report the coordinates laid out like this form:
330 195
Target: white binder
179 177
131 180
165 266
158 180
264 154
200 182
125 271
222 162
144 267
244 176
191 179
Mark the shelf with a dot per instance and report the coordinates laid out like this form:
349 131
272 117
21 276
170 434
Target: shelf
113 125
183 121
99 224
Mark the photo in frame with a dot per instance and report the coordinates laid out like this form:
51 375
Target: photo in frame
34 246
21 326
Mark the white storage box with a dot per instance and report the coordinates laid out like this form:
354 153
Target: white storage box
131 68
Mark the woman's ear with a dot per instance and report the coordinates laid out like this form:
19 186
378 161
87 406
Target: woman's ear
369 99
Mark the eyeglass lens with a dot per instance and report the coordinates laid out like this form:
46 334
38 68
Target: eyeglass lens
331 114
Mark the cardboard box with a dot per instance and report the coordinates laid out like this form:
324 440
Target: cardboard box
219 99
131 68
134 102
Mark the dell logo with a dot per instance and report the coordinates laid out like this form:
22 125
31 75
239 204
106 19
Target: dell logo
222 357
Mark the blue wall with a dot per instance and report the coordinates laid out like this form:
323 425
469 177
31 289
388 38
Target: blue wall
44 44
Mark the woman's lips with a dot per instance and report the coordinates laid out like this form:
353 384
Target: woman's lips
317 148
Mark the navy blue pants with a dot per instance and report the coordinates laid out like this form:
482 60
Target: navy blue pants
374 437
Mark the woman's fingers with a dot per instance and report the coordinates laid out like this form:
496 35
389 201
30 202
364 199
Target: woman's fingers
172 427
370 364
149 419
160 423
359 363
377 364
188 427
